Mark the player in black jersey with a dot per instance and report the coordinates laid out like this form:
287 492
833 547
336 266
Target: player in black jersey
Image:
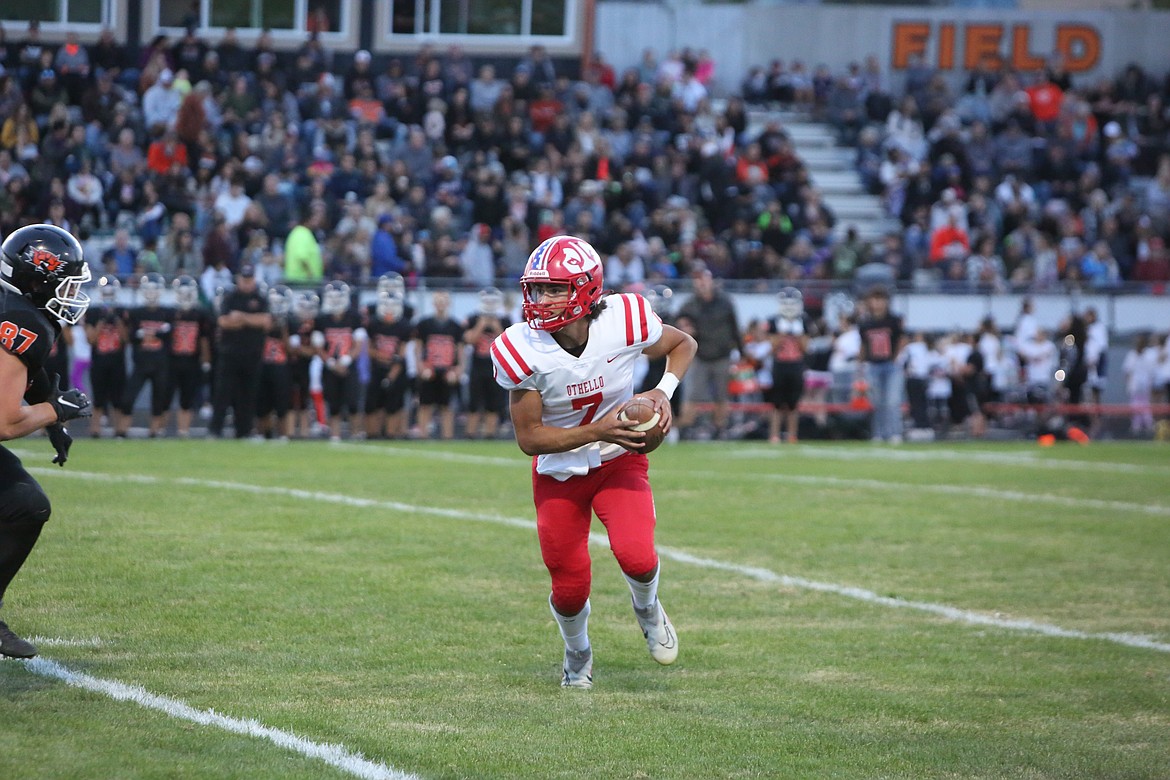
389 334
41 275
338 337
105 328
485 398
438 342
149 327
789 334
190 361
275 396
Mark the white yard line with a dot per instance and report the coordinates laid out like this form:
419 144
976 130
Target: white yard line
970 491
909 454
427 453
950 613
766 575
335 755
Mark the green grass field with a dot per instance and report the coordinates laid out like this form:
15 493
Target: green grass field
240 610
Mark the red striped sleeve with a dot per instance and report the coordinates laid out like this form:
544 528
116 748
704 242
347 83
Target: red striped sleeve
643 329
500 361
515 353
629 321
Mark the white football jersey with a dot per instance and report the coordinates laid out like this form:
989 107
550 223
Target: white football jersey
577 390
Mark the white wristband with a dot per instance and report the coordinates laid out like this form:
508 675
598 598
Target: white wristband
668 384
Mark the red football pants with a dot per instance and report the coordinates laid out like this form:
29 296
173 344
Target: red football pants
619 492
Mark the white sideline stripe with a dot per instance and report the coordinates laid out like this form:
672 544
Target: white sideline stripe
335 755
427 453
56 641
601 540
974 491
913 456
950 613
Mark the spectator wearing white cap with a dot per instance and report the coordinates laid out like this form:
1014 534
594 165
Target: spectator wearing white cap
1120 153
160 103
360 72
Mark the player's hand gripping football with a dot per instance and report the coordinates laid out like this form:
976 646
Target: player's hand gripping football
662 406
68 404
613 429
61 440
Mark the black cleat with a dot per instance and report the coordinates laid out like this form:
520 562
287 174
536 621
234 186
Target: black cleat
13 646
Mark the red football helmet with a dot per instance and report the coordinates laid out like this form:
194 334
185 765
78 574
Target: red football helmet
562 260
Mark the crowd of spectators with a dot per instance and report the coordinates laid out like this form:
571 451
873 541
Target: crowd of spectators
314 165
1005 180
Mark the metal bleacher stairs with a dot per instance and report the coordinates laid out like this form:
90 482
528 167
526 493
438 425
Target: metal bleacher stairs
831 168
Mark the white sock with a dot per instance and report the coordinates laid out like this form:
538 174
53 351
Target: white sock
574 629
645 593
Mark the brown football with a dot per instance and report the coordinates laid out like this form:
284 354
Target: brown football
641 410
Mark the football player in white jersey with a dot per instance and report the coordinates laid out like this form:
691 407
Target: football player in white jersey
568 369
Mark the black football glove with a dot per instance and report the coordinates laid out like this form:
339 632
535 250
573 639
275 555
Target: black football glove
68 404
61 441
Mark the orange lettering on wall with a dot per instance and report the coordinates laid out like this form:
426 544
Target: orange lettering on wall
946 46
909 39
982 45
1080 45
1022 59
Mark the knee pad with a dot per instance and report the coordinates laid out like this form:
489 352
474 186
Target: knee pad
24 503
570 589
637 565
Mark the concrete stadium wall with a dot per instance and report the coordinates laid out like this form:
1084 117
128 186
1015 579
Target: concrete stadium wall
1097 43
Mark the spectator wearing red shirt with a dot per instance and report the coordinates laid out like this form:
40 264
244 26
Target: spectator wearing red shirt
603 70
949 243
543 111
1045 99
165 151
751 169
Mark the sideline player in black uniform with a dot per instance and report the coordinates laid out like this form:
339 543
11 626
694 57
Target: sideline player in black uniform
242 323
789 331
105 328
389 334
485 398
149 326
339 336
440 366
190 362
41 275
275 396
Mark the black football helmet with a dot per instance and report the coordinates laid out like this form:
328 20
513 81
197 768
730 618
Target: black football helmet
335 299
44 264
108 287
280 300
391 284
150 287
186 292
790 303
491 302
307 305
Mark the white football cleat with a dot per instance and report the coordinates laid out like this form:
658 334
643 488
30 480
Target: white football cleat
659 633
578 668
